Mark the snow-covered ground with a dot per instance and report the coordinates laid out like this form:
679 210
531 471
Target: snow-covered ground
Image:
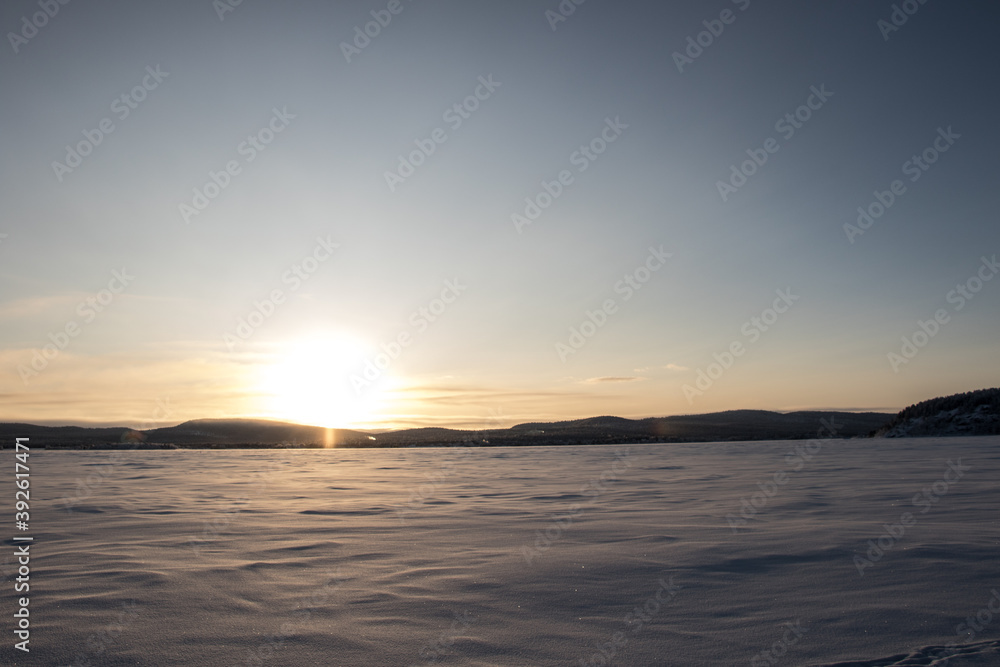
622 555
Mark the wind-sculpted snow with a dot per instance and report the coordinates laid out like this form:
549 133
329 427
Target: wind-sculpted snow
973 653
863 552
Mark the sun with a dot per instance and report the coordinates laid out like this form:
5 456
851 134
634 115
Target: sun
308 381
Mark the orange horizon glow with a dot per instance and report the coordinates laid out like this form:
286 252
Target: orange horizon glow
307 380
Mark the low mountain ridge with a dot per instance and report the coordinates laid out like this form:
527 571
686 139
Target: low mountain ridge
969 413
731 425
228 432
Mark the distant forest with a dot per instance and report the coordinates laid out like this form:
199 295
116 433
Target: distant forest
965 403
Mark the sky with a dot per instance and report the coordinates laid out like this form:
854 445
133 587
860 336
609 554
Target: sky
464 213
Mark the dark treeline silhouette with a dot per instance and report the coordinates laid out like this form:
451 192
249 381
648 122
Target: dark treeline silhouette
732 425
969 413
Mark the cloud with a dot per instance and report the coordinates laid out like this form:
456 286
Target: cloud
476 394
612 379
827 408
36 306
669 367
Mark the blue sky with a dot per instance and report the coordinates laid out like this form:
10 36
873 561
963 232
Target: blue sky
169 334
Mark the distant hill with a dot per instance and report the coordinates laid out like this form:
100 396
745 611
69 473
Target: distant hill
69 435
226 433
229 432
971 413
730 425
200 432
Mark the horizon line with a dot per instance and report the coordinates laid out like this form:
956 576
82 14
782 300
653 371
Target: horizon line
451 425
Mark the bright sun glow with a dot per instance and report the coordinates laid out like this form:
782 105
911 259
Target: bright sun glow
309 382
